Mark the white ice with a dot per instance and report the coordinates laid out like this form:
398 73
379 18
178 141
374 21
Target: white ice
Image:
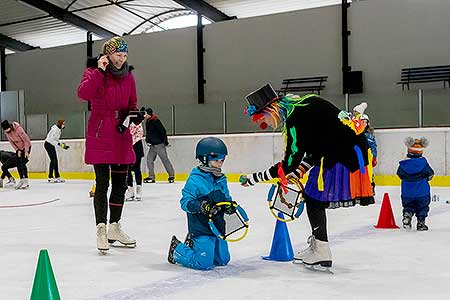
368 263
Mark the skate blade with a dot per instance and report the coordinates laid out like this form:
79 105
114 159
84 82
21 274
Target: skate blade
120 244
103 251
314 268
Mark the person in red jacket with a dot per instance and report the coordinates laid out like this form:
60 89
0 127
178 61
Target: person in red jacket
109 85
20 141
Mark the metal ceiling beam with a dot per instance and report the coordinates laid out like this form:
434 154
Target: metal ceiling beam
157 16
10 43
205 9
70 18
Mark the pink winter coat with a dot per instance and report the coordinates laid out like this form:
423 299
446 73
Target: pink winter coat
111 98
18 139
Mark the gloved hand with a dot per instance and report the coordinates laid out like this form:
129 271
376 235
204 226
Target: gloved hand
208 207
374 162
64 146
243 179
230 209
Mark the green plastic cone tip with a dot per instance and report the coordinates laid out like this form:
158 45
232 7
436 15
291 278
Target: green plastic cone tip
44 286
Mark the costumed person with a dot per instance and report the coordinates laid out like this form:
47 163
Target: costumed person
326 142
109 85
205 186
8 160
372 142
51 141
415 172
157 142
21 143
137 133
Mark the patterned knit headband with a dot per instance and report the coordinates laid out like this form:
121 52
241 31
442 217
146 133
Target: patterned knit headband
116 44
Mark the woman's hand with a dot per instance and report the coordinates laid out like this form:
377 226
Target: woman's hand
103 62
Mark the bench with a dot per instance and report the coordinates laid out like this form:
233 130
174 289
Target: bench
424 74
306 84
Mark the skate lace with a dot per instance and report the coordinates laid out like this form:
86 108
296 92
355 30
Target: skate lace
101 231
312 242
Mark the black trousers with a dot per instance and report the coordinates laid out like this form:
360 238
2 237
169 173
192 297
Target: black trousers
10 163
51 151
22 164
118 176
317 217
136 168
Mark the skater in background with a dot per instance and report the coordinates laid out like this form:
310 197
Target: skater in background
109 85
205 186
51 141
156 139
21 143
372 142
326 142
415 172
137 133
8 160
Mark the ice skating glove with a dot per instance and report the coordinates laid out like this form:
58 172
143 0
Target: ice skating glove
231 209
64 146
208 207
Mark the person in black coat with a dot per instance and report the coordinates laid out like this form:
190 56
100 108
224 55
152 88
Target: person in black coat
156 139
8 160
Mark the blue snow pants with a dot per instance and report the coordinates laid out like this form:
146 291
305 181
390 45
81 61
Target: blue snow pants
206 252
417 205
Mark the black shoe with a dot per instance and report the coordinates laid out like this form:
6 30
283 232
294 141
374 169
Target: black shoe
421 226
407 216
148 180
171 179
173 244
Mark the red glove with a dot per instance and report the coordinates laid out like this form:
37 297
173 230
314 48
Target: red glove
374 162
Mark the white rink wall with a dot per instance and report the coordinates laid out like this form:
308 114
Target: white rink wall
252 152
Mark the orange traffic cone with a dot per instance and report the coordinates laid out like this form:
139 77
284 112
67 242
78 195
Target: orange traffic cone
386 219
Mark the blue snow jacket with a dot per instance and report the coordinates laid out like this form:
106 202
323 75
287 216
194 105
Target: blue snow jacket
199 187
371 141
415 174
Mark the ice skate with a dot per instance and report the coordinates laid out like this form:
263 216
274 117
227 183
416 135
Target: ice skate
318 257
407 217
171 179
307 251
129 195
51 180
102 240
60 180
149 180
138 196
421 226
173 244
23 184
115 233
11 182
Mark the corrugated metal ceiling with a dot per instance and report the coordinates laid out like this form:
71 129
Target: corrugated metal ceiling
121 16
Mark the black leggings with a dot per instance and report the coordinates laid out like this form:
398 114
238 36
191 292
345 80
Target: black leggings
118 175
317 218
51 151
22 164
136 168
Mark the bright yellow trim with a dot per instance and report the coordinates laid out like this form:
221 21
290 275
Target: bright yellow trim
380 180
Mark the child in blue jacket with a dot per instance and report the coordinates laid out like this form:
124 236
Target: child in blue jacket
205 186
415 172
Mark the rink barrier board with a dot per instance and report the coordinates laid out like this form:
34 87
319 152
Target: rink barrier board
381 180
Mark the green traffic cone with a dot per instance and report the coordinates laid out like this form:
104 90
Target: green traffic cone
44 286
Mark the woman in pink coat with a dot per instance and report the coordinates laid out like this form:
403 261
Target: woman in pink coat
110 87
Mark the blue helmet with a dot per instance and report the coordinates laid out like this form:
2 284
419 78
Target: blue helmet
210 148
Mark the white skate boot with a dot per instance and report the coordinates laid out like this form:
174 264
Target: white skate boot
60 180
102 240
11 182
138 193
320 256
115 233
307 251
129 195
23 184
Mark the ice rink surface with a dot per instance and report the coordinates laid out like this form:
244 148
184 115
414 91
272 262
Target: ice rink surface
368 263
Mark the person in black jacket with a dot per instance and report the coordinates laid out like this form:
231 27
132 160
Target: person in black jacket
156 139
8 161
